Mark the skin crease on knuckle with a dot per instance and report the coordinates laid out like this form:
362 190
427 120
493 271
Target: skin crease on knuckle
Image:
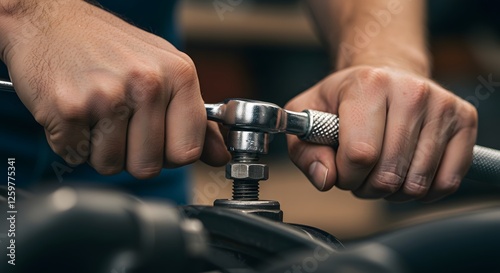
387 182
185 75
417 94
416 185
147 85
375 77
362 154
183 156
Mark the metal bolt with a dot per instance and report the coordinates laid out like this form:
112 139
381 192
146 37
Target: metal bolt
246 174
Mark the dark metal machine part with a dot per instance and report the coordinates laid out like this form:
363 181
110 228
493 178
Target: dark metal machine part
240 241
85 230
75 229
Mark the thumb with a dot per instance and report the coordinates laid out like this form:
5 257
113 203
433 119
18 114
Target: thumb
317 162
214 151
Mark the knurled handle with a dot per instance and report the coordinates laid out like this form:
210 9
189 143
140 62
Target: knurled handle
323 128
485 165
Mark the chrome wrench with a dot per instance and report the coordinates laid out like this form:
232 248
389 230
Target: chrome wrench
312 126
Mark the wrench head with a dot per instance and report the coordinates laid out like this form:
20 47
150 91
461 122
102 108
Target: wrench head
244 114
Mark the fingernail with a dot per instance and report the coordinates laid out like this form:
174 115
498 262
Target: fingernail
318 173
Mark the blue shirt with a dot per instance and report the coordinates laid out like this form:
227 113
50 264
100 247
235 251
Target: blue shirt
21 137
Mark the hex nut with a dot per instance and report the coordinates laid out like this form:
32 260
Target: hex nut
247 171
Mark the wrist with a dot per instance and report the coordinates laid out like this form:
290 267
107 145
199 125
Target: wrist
410 59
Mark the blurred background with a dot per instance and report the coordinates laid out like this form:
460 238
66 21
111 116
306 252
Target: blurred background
268 50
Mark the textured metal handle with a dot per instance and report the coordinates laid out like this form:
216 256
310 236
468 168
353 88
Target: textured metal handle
485 165
323 128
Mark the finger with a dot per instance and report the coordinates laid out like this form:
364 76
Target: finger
108 145
65 128
186 122
69 141
315 161
214 150
424 164
404 121
454 165
108 136
146 128
441 125
363 115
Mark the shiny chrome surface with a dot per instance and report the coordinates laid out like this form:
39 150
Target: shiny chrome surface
248 142
258 115
6 86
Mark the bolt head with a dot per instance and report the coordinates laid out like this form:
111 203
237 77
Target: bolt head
247 171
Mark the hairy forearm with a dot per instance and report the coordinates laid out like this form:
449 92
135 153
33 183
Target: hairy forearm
374 32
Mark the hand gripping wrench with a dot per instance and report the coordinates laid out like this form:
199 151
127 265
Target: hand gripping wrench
311 126
250 122
315 127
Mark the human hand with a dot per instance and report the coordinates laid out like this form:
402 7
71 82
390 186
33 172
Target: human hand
107 92
402 137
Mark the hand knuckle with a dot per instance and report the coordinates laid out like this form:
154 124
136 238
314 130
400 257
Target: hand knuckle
148 84
362 154
419 91
447 185
185 69
72 111
374 76
446 106
387 182
186 58
416 185
470 114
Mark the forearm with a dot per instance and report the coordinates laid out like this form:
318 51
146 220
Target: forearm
374 32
